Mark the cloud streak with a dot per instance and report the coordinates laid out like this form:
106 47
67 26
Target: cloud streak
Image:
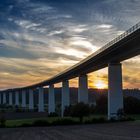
43 37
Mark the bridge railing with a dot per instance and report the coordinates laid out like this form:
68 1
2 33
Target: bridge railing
117 39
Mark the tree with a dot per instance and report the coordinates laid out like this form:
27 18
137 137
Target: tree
68 110
80 110
101 105
131 105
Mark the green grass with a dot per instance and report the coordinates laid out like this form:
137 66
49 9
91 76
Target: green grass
11 123
17 123
136 116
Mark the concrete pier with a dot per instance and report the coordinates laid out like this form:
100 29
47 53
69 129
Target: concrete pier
51 99
65 98
0 99
115 93
10 98
4 98
31 99
23 104
17 98
41 100
83 89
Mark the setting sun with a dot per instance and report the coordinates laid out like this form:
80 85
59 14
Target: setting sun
100 85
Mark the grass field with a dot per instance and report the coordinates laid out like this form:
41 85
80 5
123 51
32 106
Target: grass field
16 123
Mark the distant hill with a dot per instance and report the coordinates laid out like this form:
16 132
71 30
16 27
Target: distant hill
94 94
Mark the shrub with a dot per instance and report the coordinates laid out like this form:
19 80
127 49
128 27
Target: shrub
25 125
65 121
131 105
68 110
80 110
92 109
2 121
120 114
96 120
41 123
101 105
53 114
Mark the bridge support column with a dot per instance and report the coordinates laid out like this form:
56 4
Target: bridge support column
115 93
4 98
0 99
41 100
23 104
17 98
65 98
83 89
31 99
51 101
10 98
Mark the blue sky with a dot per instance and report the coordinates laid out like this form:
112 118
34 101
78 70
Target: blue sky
40 38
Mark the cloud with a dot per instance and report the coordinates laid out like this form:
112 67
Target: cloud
43 37
104 26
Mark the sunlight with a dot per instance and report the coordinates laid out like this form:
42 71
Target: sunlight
100 85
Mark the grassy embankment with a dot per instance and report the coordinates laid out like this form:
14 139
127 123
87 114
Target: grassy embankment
61 121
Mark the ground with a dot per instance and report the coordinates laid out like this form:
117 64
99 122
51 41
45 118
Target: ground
107 131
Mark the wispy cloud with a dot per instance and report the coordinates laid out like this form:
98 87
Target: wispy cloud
44 37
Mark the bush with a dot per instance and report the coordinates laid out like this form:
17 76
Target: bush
131 105
25 125
2 121
65 121
80 110
120 114
41 123
67 111
101 105
53 114
92 109
96 120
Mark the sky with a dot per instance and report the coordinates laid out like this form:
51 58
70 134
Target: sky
40 38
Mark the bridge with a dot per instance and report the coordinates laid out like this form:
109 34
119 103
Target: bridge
125 46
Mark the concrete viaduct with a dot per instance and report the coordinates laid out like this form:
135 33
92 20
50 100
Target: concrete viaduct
125 46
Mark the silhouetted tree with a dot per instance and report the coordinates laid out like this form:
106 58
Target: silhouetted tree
80 110
101 105
68 111
131 105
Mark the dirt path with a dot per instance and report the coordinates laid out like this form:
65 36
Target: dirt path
112 131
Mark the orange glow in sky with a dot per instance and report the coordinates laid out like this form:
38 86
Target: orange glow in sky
43 38
100 85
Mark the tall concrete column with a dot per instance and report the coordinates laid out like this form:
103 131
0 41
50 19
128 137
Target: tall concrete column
31 99
65 98
0 99
83 89
23 95
51 101
115 93
10 98
41 100
17 98
4 98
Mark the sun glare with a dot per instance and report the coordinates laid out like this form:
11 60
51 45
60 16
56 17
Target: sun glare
100 85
